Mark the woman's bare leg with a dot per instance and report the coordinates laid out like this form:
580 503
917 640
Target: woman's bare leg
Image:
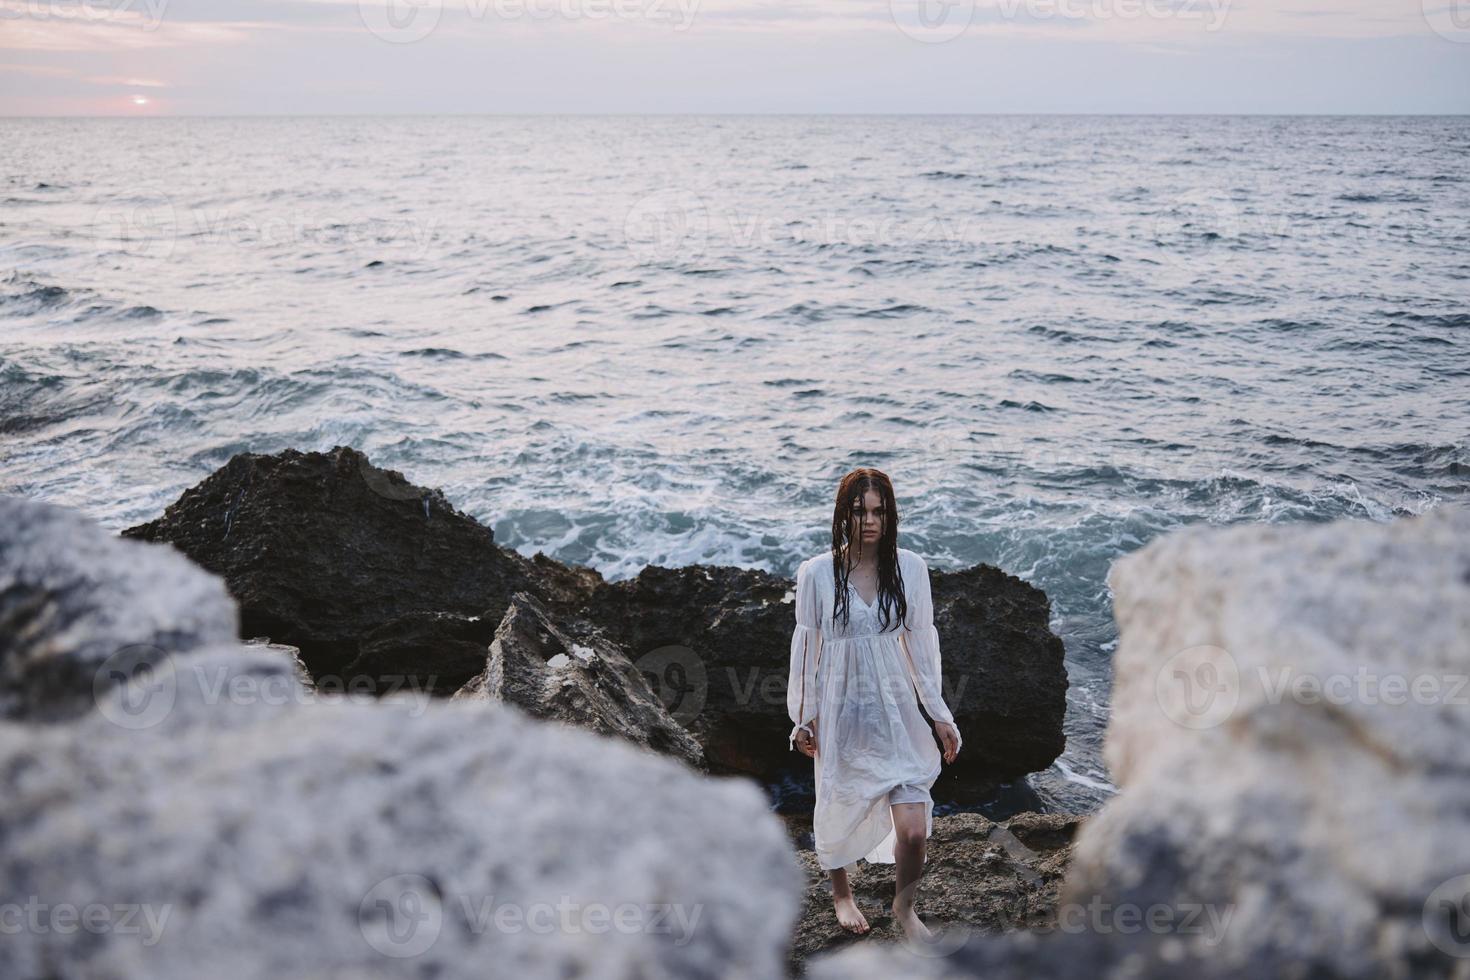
849 916
908 852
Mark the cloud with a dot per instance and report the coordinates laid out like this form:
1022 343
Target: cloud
128 82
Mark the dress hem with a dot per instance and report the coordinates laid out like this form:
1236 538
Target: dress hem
928 783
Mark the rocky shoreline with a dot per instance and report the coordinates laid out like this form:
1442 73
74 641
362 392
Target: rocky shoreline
590 749
384 584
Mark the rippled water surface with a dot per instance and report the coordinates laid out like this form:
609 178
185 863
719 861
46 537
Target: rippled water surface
626 341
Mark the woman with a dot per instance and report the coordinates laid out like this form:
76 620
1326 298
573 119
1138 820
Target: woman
856 662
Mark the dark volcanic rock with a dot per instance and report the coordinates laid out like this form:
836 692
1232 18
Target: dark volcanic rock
370 575
431 652
588 682
716 641
319 549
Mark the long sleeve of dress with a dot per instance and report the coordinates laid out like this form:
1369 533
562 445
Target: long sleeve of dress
806 649
921 641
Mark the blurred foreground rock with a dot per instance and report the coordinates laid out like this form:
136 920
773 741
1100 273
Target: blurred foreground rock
209 813
79 608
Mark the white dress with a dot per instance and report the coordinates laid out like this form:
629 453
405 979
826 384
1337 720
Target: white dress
859 681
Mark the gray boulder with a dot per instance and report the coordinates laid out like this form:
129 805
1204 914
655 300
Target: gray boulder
268 832
81 609
1290 717
214 813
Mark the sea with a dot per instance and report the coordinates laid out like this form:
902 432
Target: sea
626 341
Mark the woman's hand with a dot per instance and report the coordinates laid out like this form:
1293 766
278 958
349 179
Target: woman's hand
949 737
807 744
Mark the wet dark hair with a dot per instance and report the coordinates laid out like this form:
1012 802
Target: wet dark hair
850 493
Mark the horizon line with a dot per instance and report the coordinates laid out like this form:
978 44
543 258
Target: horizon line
424 115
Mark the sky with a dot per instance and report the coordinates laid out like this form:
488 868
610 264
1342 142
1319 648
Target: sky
275 57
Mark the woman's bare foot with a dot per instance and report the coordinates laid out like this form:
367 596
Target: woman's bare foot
912 927
849 916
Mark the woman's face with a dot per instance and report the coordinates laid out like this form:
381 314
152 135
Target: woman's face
868 520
